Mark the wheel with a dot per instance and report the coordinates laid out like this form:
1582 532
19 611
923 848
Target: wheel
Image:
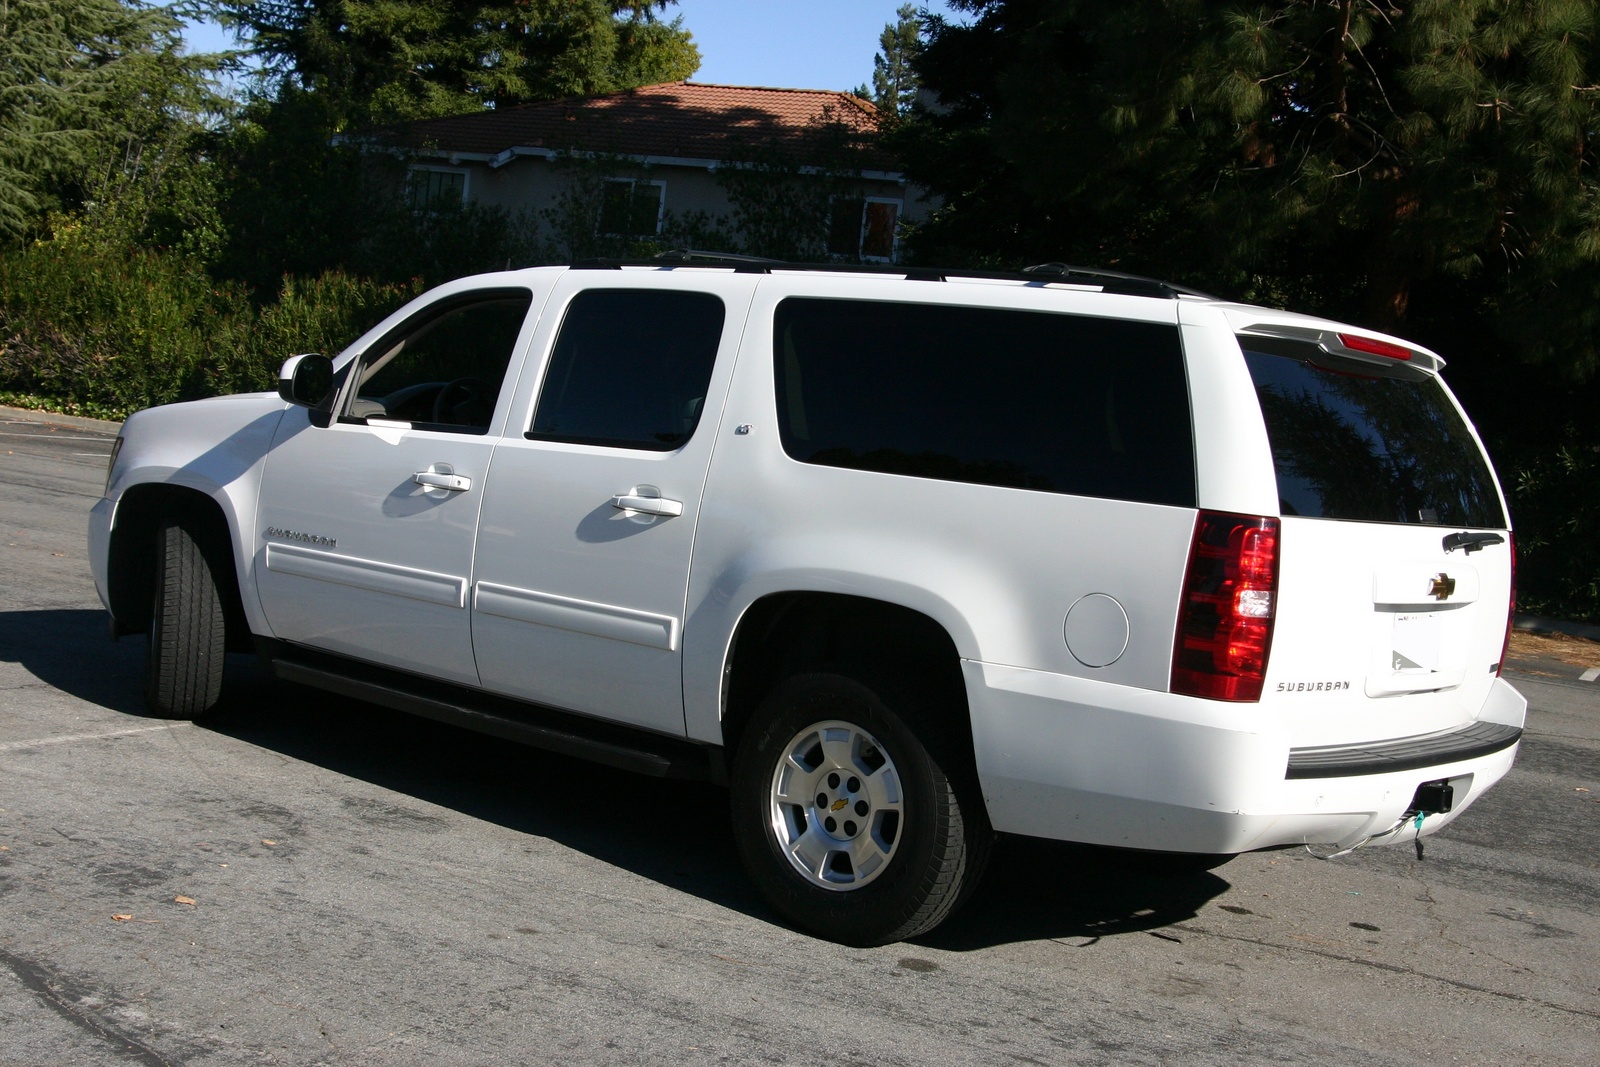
854 826
183 665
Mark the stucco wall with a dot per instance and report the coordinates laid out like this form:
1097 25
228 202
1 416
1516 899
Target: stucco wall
535 184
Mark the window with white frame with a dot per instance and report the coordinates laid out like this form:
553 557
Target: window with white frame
631 208
863 229
428 188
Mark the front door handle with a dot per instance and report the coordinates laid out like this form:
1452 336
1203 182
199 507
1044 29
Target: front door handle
455 483
647 505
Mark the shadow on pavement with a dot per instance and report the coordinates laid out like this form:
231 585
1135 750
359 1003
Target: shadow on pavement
70 650
675 833
1037 890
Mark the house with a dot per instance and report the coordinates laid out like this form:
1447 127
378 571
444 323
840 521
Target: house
656 159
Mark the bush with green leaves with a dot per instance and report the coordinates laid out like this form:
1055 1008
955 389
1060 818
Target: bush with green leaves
106 330
1557 512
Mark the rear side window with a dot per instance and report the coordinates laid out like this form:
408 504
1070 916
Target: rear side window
1367 443
630 369
1028 400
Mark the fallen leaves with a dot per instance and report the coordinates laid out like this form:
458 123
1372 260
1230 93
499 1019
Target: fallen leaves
1578 651
126 918
184 900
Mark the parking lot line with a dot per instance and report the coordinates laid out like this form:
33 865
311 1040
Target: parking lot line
67 739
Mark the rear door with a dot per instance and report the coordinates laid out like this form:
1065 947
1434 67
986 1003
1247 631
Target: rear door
588 523
1396 557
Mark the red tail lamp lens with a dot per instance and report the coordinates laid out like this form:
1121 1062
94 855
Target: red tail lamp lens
1357 343
1229 602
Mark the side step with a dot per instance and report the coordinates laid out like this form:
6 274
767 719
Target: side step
605 743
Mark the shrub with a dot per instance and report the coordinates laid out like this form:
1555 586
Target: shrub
110 330
322 314
1553 500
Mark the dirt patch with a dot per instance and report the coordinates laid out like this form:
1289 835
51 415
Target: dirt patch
1578 651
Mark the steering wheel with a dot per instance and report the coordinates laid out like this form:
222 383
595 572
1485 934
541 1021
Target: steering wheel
464 402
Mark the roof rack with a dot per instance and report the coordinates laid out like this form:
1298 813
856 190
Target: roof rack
1109 281
687 257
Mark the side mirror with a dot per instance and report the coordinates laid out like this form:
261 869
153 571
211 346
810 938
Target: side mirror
307 380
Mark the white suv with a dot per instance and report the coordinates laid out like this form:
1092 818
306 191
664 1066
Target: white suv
905 558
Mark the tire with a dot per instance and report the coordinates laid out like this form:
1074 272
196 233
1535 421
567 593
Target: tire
854 826
183 664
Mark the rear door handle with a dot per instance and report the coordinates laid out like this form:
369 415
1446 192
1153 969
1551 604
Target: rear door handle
1471 542
647 505
455 483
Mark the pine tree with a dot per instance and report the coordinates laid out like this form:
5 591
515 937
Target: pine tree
894 79
95 96
1338 155
380 61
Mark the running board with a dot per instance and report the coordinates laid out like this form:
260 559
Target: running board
625 757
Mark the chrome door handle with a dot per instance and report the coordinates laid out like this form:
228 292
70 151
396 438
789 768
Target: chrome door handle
647 505
455 483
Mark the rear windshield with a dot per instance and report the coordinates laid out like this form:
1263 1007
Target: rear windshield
1028 400
1351 440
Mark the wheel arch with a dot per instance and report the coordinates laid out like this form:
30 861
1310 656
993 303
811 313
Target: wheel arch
131 560
783 634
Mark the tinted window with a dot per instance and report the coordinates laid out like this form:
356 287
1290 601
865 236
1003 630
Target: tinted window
443 368
1060 403
630 369
1367 443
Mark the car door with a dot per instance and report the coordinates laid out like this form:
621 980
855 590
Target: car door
368 520
589 519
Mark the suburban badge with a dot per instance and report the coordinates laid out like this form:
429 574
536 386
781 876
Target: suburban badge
301 536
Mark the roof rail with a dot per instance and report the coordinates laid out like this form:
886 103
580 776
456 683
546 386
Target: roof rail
686 257
1109 281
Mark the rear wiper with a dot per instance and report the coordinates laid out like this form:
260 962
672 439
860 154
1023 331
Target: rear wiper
1471 542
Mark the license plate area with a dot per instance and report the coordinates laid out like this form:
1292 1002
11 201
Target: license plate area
1415 643
1415 651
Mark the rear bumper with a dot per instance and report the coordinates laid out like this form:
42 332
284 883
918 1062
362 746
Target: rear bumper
1070 759
1404 753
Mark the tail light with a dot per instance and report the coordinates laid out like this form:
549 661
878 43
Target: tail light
1229 602
1511 610
1373 346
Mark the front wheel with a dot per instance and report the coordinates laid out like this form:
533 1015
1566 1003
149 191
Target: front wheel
853 825
183 665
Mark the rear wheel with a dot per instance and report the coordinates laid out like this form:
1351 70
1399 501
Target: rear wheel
853 825
183 665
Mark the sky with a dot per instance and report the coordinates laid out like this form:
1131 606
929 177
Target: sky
790 44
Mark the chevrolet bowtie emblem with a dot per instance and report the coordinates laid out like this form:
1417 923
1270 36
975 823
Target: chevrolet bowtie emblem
837 804
1442 587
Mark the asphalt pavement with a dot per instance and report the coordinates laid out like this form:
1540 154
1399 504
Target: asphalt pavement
303 879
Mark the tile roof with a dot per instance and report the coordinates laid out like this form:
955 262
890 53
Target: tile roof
676 119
